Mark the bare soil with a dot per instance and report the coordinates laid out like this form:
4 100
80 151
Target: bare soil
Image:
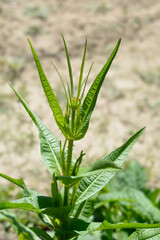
128 101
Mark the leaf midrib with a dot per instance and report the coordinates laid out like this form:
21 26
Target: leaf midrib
57 162
88 187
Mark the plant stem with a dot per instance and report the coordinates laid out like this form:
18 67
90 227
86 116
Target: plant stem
73 120
69 156
69 159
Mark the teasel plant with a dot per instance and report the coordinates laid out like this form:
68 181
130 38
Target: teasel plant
68 211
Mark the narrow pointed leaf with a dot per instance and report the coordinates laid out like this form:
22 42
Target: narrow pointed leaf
18 205
81 72
91 98
69 67
55 107
36 204
103 164
91 185
106 225
86 80
39 232
18 182
50 145
61 81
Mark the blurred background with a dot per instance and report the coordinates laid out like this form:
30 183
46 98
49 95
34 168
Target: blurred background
130 96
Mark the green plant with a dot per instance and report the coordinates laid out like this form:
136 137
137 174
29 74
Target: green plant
127 198
68 210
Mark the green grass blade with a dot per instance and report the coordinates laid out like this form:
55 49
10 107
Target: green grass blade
69 67
81 72
91 98
54 105
90 185
49 143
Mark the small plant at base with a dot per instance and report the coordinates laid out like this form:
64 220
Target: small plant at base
67 212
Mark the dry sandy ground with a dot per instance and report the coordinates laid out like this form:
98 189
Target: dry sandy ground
128 101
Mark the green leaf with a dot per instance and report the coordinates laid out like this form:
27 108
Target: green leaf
106 225
59 212
69 67
86 80
24 236
18 205
92 184
134 176
81 72
146 234
61 81
103 164
115 196
19 228
72 180
55 107
39 232
85 210
29 203
18 182
50 145
91 98
69 180
137 203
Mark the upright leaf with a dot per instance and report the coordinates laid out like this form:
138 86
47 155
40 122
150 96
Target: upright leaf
50 145
55 107
92 184
81 72
69 67
91 98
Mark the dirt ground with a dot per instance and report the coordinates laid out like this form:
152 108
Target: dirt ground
129 99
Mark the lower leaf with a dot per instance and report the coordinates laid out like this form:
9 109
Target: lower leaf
146 234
